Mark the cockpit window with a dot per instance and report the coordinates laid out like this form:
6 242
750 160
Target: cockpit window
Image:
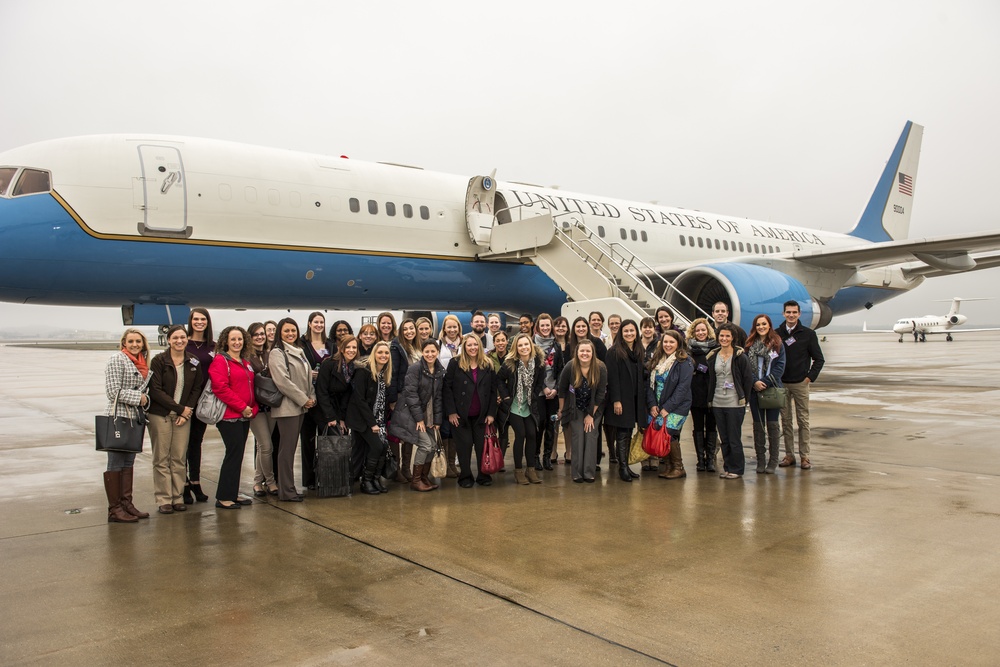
32 182
6 173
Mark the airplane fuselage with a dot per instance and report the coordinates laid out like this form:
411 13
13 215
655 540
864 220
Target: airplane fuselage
130 219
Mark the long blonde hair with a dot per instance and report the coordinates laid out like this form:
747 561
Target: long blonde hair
594 374
465 362
510 361
373 365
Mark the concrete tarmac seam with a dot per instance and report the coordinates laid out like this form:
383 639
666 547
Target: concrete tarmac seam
469 584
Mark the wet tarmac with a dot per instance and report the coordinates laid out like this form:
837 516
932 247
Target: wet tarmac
883 553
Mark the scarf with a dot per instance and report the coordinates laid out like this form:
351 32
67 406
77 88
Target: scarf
525 376
140 363
380 406
699 348
658 378
348 370
760 357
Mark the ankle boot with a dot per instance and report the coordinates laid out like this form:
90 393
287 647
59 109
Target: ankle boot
113 489
774 446
425 474
449 452
532 475
519 477
699 450
676 464
405 459
418 483
199 495
127 495
760 445
710 451
188 498
368 477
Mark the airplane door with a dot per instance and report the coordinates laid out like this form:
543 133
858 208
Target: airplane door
480 208
164 191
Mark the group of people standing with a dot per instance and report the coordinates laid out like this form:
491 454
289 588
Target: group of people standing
403 392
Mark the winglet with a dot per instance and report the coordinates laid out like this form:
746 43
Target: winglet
887 215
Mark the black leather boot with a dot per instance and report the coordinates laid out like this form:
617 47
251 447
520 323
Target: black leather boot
699 448
377 478
622 455
368 477
710 451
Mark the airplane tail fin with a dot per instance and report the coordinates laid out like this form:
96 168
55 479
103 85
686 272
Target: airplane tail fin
887 215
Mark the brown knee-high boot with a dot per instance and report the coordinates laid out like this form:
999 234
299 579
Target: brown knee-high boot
675 466
127 495
450 453
113 489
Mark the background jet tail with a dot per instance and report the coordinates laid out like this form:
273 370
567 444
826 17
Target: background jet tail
887 215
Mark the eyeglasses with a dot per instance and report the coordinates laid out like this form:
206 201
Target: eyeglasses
260 335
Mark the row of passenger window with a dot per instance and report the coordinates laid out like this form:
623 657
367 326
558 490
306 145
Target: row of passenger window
390 209
735 246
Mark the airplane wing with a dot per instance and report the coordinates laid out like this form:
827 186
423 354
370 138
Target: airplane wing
945 254
983 261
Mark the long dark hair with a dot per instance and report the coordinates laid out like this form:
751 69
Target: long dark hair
571 338
620 348
772 340
208 329
280 344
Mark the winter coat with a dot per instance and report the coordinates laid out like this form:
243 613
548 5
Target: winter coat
333 391
419 387
507 387
232 383
676 395
742 378
700 398
459 388
163 383
120 374
597 394
361 407
292 374
625 385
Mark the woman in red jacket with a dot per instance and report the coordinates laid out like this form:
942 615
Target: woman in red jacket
232 383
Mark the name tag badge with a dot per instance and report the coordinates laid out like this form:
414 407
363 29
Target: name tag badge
774 355
195 362
728 385
789 340
702 368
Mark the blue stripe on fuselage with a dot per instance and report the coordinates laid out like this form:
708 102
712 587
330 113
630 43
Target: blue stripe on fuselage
47 258
853 299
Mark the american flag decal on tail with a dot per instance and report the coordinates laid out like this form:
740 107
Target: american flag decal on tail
905 184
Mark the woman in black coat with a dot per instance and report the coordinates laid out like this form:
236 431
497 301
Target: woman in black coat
334 390
701 341
520 381
367 412
420 412
470 401
626 393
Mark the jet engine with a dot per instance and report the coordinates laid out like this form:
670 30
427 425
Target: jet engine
749 290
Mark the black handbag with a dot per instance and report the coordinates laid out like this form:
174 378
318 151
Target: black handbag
265 391
120 434
333 463
390 466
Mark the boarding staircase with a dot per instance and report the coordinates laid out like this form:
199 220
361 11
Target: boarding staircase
594 274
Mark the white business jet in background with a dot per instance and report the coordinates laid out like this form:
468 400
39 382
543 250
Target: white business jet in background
921 327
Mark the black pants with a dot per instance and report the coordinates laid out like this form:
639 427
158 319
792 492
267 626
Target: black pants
468 435
195 438
704 421
308 436
234 436
367 446
730 424
525 439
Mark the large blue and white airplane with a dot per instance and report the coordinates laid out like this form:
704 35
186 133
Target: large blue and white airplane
157 224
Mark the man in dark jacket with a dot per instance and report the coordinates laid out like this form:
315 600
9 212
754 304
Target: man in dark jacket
803 362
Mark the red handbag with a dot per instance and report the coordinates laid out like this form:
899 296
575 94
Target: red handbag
492 459
656 441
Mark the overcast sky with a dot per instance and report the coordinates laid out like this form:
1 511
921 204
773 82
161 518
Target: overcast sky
781 111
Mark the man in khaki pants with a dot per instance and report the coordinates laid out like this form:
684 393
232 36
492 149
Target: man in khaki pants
803 362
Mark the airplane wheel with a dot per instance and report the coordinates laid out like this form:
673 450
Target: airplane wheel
948 338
